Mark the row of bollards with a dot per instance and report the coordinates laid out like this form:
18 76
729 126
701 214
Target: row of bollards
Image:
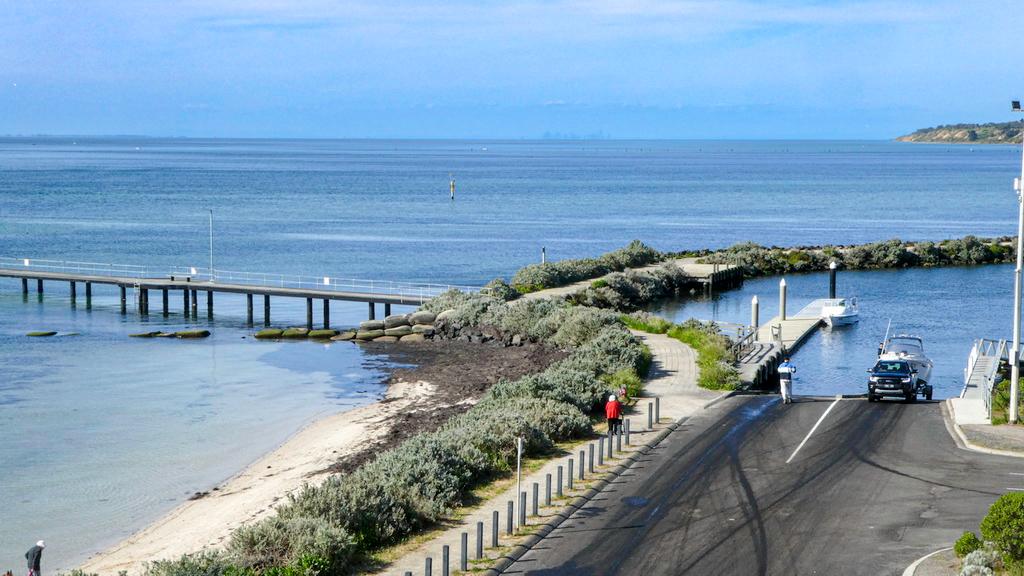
576 468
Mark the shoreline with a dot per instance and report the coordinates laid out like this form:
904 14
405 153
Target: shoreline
305 457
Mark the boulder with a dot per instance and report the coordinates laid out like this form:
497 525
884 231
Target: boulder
323 334
444 315
192 334
41 334
424 329
412 338
145 334
517 340
371 325
399 331
268 333
386 339
346 335
422 317
369 334
396 320
297 333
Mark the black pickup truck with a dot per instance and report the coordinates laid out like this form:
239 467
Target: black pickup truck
895 378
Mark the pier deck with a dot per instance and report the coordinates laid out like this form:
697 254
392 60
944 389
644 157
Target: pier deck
191 281
776 339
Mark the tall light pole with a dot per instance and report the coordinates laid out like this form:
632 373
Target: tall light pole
211 244
1015 351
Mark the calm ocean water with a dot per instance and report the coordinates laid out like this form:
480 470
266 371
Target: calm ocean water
102 433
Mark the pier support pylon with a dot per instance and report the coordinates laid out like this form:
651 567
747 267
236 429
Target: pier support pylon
209 303
185 301
124 299
248 309
39 285
266 309
387 309
327 314
309 313
165 298
373 311
24 285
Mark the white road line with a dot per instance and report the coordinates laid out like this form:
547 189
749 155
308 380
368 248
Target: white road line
816 424
1016 473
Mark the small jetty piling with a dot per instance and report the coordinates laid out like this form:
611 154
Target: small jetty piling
191 281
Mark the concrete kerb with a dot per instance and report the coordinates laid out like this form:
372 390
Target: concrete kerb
578 502
912 569
949 416
720 398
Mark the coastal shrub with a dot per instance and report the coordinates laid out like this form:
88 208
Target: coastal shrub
298 541
500 289
967 543
562 272
1004 526
525 318
980 562
646 322
572 326
625 379
560 382
207 563
632 290
493 428
556 420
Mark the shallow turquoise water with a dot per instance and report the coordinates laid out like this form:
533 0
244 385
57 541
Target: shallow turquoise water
102 433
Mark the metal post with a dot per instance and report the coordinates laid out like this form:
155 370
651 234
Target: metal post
547 489
479 540
590 459
782 299
600 452
209 303
522 509
755 315
583 459
536 499
309 313
373 311
266 309
39 285
494 529
165 298
569 483
248 309
508 519
445 560
611 448
558 486
618 439
627 432
832 279
1015 351
428 566
464 552
124 300
657 409
24 285
327 314
650 415
387 309
543 255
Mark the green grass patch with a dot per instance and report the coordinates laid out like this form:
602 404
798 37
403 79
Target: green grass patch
1001 402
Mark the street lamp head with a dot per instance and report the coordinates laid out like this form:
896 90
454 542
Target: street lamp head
1015 106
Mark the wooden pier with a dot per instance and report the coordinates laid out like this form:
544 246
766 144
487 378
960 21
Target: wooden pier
761 351
189 282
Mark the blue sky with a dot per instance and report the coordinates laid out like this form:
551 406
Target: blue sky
518 69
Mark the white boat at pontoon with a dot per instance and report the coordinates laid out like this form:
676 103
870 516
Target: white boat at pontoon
911 349
840 311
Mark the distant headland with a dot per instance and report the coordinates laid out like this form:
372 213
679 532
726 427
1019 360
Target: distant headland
991 133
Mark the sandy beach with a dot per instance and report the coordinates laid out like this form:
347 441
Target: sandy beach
334 444
207 522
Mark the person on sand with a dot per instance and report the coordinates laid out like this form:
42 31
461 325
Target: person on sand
34 557
613 411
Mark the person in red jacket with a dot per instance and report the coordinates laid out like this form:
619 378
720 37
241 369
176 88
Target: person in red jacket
613 410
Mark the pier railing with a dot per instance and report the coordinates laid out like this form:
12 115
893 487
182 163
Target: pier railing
261 279
996 350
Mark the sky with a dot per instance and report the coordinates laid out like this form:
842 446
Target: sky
732 69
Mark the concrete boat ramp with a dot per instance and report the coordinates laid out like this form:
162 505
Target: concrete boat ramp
762 349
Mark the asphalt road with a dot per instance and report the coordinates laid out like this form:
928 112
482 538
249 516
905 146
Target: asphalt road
876 486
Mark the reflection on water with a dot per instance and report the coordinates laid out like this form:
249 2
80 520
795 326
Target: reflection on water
948 307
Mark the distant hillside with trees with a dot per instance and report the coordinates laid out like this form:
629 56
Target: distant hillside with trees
991 133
